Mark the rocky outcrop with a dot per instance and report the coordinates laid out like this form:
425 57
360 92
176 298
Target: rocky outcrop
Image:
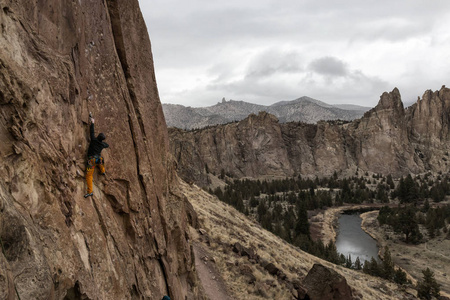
303 109
252 147
59 60
323 283
388 139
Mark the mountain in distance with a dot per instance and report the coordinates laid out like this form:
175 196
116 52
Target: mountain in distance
303 109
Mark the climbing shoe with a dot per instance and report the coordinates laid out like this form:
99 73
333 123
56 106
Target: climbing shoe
104 174
88 195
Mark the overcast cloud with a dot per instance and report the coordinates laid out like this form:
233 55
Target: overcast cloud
265 51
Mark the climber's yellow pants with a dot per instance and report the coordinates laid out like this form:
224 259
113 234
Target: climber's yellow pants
92 162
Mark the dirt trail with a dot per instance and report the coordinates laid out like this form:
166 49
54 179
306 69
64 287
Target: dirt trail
210 278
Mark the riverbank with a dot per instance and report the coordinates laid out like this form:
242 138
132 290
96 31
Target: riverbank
324 223
434 254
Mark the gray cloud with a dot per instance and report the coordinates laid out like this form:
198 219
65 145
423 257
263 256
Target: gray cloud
272 62
330 66
329 79
263 51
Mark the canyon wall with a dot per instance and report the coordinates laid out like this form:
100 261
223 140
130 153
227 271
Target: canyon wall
388 139
60 60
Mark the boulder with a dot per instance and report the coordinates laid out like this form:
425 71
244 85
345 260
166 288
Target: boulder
302 293
323 283
247 271
272 269
243 251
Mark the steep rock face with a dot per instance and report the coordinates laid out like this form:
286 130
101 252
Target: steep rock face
58 61
252 147
429 120
388 139
382 138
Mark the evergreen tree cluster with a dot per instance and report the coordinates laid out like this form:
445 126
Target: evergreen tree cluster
411 190
385 269
317 193
292 225
406 220
403 220
428 287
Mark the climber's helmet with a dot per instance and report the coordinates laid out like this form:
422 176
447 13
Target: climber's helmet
101 137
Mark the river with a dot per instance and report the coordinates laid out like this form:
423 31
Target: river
351 239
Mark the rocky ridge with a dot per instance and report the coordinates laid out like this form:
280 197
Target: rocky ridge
303 109
59 60
388 139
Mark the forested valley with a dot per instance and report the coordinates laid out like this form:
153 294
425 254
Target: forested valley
413 206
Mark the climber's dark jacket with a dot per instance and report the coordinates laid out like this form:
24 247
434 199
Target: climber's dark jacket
96 146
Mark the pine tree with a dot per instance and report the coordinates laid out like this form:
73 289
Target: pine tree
407 224
331 253
346 195
266 222
407 190
366 267
431 230
348 262
390 182
253 201
358 265
387 267
400 277
302 225
437 193
381 193
426 206
262 209
428 287
246 212
374 268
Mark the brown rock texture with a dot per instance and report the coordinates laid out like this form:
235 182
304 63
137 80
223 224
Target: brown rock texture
323 283
252 147
59 60
388 139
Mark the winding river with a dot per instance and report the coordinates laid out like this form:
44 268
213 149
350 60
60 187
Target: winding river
351 239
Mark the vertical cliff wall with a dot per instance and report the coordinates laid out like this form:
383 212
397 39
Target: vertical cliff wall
388 139
59 60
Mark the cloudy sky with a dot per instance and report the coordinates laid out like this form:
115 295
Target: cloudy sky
264 51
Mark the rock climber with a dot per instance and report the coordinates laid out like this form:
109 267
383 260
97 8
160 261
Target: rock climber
94 156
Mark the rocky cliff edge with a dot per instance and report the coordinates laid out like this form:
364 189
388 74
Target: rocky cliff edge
59 60
388 139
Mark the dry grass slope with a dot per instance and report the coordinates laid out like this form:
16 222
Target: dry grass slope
225 226
433 254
